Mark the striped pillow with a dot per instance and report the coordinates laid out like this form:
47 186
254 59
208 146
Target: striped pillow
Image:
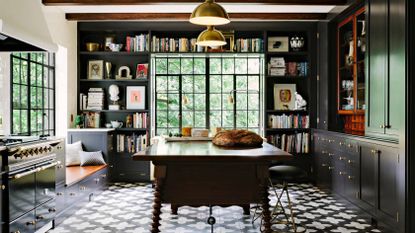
91 158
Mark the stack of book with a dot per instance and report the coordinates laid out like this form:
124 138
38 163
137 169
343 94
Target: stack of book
95 100
288 121
276 66
175 45
255 45
131 143
293 143
138 43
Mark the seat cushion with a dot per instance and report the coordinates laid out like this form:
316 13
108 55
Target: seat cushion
91 158
72 154
286 173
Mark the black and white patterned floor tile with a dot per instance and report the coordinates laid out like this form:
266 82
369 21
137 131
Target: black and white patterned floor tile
126 207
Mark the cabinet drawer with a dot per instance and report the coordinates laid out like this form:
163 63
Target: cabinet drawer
45 214
24 224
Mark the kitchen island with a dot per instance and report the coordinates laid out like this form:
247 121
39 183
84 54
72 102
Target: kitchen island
201 174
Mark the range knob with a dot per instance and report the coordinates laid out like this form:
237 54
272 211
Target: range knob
49 149
40 150
35 150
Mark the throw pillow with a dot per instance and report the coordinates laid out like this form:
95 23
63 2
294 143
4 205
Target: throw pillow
72 154
91 158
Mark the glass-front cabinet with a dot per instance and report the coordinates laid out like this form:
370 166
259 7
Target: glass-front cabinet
351 40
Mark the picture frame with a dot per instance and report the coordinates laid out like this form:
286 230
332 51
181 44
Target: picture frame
95 69
284 96
136 97
278 44
230 41
141 71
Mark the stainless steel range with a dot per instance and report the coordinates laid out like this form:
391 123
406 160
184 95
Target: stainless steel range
29 179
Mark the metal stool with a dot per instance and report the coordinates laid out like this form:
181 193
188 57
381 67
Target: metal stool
282 174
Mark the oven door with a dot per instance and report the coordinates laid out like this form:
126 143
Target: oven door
45 182
21 193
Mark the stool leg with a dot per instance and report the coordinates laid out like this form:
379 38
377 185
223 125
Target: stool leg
279 203
290 206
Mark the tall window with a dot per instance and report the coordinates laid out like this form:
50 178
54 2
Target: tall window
221 90
33 105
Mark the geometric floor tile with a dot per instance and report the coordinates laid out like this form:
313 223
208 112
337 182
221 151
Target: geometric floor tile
127 207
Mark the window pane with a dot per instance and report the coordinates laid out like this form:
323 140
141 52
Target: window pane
215 119
200 66
226 104
241 65
215 65
241 83
253 82
24 100
215 102
227 119
200 83
39 100
161 119
51 99
173 119
33 75
161 65
39 75
228 66
16 70
187 66
187 119
173 83
161 83
241 101
187 84
215 84
33 120
33 97
161 131
16 122
23 70
253 119
200 101
241 119
253 101
16 96
253 66
190 102
227 83
173 103
200 119
174 66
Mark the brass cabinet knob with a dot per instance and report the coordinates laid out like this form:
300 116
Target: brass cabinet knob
52 210
342 158
324 165
350 177
331 154
40 217
331 168
82 188
31 223
342 173
3 187
350 161
324 152
382 126
331 140
72 194
59 194
374 152
341 143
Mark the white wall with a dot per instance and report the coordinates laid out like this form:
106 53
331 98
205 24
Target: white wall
5 90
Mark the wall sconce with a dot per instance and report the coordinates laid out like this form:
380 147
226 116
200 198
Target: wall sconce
185 99
231 93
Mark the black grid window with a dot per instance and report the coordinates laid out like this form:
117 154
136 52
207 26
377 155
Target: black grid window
33 91
197 91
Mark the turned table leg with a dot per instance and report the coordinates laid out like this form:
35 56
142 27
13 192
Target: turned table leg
157 206
266 213
174 209
247 209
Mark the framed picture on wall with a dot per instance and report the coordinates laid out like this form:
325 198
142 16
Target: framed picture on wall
95 69
278 44
284 96
136 97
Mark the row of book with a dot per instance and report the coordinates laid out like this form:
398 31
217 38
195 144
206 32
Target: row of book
255 45
131 143
291 143
175 45
288 121
279 67
93 101
91 120
138 43
139 121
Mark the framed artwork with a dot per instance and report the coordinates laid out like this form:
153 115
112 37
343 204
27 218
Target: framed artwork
96 69
142 71
230 41
278 44
284 96
136 97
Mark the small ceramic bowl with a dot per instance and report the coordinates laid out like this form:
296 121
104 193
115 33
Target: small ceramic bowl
92 47
116 47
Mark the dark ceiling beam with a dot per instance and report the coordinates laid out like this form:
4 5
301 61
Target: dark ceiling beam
143 2
185 16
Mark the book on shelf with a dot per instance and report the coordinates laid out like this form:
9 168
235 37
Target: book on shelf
91 119
139 121
138 43
94 100
279 67
175 45
291 143
131 143
142 71
249 45
288 121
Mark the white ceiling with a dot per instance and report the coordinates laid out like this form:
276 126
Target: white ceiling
188 8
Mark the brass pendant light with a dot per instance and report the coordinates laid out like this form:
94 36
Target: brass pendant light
209 13
211 37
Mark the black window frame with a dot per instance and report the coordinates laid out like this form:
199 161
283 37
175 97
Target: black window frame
48 68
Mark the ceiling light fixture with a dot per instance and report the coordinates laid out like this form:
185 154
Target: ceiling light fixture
211 37
209 13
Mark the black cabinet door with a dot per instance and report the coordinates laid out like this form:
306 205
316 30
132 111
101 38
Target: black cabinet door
338 172
322 164
368 177
352 177
377 68
388 165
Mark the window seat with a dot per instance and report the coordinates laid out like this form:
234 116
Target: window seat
76 174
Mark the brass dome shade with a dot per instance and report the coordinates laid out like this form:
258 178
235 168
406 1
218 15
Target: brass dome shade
209 13
211 37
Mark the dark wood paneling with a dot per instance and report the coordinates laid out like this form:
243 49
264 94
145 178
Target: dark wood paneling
142 2
185 16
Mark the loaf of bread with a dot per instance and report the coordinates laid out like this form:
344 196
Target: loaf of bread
237 138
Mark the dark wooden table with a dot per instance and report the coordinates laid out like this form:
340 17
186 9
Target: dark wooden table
200 173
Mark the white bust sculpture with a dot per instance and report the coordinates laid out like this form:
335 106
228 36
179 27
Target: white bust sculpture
300 103
114 91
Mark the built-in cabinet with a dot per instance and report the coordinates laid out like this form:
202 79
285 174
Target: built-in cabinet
363 171
386 71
